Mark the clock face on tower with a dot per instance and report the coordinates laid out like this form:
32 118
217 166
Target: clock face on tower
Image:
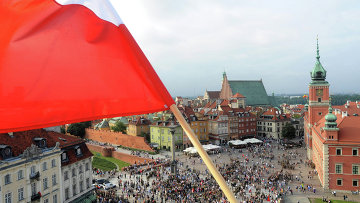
319 92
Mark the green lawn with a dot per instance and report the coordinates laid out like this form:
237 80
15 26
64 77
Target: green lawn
104 163
332 201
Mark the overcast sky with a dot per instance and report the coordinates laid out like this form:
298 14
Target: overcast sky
191 42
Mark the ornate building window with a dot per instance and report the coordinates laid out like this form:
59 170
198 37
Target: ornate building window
338 168
355 169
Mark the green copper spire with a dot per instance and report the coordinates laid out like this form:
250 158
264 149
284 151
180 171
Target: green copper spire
330 107
318 74
330 118
317 48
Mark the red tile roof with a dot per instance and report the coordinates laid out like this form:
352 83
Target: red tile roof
140 121
276 114
214 94
211 105
238 95
22 140
349 126
349 129
224 102
351 108
225 109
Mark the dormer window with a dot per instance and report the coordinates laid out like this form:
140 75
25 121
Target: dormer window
78 151
5 151
40 142
64 157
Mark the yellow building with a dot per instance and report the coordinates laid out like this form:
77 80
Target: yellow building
138 126
198 124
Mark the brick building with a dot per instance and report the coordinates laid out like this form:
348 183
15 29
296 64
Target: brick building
331 137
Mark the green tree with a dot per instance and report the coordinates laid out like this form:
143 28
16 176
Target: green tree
288 131
78 129
146 135
119 127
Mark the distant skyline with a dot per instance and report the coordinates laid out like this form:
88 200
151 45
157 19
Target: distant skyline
191 43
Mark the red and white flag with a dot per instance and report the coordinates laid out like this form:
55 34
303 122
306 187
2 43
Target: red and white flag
66 61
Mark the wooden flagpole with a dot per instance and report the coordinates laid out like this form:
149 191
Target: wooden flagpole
210 165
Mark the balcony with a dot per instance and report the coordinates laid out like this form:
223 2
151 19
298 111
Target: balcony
35 175
36 196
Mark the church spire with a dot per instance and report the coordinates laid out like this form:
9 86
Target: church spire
224 75
317 47
318 74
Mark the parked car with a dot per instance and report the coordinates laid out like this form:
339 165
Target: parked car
101 181
107 186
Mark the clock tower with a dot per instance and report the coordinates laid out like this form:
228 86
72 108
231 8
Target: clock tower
318 92
318 100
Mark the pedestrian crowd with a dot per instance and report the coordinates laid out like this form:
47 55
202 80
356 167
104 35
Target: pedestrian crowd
251 173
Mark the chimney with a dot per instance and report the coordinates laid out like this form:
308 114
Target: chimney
348 102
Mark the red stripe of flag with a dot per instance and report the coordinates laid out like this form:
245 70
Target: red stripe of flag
63 64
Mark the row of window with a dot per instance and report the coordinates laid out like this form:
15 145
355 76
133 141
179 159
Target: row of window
200 124
201 130
168 131
270 123
355 152
339 182
53 180
339 169
20 173
247 124
247 130
34 191
8 197
74 188
73 171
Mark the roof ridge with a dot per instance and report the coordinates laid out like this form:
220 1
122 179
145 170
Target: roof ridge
245 80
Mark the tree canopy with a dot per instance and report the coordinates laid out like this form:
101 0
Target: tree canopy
337 99
288 131
119 127
78 129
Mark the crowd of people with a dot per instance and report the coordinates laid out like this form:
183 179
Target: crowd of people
252 173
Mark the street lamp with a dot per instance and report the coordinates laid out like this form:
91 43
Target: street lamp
173 162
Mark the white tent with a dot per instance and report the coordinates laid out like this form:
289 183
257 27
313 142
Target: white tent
192 150
237 142
253 141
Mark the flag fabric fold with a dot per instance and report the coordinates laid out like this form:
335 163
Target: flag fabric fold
63 62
